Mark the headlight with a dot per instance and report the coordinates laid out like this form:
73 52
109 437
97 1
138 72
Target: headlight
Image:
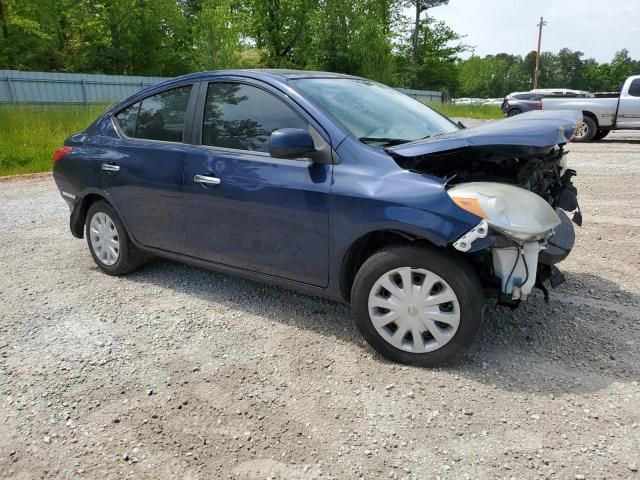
516 212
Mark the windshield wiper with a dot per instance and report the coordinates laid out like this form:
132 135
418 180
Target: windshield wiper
387 142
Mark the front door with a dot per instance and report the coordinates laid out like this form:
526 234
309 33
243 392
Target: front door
629 110
246 209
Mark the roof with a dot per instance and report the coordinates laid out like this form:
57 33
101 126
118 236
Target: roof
272 76
259 73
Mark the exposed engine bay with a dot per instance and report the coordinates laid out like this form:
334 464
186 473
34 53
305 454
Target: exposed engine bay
540 172
520 238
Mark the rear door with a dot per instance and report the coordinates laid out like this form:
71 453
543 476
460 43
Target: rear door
629 109
144 169
258 213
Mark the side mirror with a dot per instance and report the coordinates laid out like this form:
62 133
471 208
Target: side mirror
291 143
461 125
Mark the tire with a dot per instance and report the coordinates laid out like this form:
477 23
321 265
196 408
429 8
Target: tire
102 225
439 267
586 131
600 134
513 112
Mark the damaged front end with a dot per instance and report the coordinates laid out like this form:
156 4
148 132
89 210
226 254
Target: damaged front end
519 226
512 175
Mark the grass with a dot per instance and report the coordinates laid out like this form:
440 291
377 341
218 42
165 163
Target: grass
487 112
30 133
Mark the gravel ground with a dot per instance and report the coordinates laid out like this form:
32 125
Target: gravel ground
176 372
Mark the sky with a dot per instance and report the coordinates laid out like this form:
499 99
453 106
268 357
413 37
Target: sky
594 27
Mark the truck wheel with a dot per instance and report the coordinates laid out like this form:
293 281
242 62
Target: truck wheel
600 134
109 244
417 306
586 130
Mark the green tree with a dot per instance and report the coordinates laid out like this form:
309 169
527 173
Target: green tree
277 26
439 49
621 67
127 37
217 36
350 36
31 34
370 38
419 7
571 69
492 76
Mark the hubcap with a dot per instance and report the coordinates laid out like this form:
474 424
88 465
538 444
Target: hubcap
582 130
414 309
104 238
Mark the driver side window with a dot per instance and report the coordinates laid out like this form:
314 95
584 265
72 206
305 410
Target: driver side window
243 117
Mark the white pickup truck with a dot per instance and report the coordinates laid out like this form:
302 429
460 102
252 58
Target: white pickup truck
601 115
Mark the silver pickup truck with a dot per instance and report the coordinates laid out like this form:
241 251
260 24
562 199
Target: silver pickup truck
601 115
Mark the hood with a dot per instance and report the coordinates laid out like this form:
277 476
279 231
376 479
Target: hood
528 132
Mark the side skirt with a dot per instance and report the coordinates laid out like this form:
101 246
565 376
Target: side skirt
248 274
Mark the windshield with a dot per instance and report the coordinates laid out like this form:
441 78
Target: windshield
373 112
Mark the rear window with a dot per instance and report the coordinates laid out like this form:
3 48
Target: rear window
634 88
159 117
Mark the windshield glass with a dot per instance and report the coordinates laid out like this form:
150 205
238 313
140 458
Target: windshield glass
373 112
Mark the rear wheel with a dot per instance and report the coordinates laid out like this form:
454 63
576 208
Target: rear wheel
600 134
513 112
109 244
417 306
586 130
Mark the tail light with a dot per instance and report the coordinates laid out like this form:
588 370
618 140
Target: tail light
58 153
539 105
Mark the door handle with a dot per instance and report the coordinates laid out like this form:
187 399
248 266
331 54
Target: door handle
110 167
206 180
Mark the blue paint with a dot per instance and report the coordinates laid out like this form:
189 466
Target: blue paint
288 221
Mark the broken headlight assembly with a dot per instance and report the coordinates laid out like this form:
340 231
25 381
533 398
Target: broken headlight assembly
523 218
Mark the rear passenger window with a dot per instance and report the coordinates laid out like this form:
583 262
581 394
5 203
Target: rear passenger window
160 117
634 88
242 117
127 119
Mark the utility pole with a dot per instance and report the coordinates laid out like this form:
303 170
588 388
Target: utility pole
536 74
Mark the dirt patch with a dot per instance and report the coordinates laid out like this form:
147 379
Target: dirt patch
176 372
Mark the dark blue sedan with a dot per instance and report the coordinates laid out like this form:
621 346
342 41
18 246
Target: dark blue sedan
333 185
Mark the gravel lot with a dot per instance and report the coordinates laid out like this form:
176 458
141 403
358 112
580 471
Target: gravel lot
176 372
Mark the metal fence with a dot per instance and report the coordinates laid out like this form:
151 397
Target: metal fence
41 87
424 96
80 88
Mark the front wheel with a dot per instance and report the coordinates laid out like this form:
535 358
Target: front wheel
600 134
513 112
417 306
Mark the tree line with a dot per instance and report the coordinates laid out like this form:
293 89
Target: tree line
496 75
370 38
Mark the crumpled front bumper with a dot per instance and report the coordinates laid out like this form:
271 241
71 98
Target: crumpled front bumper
560 244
